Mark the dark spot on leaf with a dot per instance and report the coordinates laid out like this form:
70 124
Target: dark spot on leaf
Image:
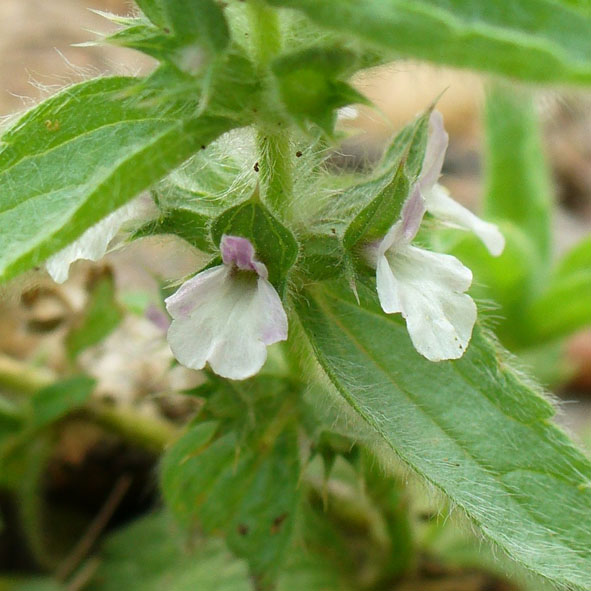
277 523
203 147
243 529
256 167
166 30
298 154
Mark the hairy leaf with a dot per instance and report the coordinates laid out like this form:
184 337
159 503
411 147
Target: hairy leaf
539 40
82 154
471 427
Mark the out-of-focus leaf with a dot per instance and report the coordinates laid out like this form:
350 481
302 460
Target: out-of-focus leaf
506 282
518 184
562 309
471 427
37 584
250 495
312 84
576 260
101 316
55 401
538 40
152 555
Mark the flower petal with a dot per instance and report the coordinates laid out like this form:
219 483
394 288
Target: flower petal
240 252
403 231
435 153
427 288
235 316
196 291
442 206
91 245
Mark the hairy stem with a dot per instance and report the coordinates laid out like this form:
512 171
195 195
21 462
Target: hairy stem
275 167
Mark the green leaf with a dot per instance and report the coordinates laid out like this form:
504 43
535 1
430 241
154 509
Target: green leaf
250 494
518 184
38 584
153 10
199 21
576 260
82 154
311 84
274 244
562 309
537 40
377 202
11 418
182 33
152 555
100 318
509 280
57 400
472 427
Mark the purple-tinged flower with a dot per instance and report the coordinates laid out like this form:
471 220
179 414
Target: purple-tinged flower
227 315
92 245
437 199
427 288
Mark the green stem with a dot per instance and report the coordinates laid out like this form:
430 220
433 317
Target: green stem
265 32
150 433
273 141
275 168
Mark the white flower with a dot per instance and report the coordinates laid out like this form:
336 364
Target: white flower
427 288
93 244
227 315
437 199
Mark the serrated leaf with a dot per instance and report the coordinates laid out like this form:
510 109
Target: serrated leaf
152 555
183 31
101 316
248 494
537 40
518 187
57 400
274 244
80 155
471 427
311 84
386 192
153 10
199 21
